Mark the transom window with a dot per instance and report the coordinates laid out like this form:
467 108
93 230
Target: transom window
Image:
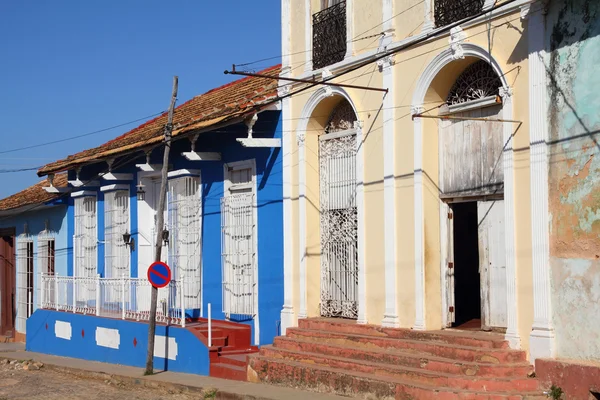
478 81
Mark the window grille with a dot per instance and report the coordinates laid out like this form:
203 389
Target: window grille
184 242
448 11
24 281
85 239
238 225
116 222
477 81
329 35
46 262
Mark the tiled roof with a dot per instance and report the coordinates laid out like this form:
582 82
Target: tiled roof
33 195
217 106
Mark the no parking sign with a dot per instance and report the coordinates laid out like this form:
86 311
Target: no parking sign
159 274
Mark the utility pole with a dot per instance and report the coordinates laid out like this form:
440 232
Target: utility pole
159 226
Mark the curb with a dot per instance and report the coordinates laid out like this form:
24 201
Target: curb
206 393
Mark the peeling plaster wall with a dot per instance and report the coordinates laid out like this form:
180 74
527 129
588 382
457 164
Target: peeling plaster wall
572 61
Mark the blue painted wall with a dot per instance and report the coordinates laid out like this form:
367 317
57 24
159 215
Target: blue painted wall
269 203
192 354
56 215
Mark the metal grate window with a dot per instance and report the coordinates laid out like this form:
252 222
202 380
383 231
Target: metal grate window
184 243
238 225
448 11
116 224
477 81
46 261
329 35
24 281
85 240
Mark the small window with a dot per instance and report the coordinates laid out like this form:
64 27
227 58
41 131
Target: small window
25 256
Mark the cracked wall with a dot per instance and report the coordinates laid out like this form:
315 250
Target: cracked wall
572 61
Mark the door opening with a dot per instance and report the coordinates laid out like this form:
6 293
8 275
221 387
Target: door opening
467 286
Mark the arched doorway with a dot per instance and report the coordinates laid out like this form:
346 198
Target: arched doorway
339 214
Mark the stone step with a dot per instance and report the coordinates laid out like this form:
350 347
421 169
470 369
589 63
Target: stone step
471 339
228 371
358 384
234 359
455 352
414 360
408 374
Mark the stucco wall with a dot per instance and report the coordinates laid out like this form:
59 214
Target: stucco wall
573 41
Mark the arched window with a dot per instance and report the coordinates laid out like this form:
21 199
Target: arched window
341 118
478 81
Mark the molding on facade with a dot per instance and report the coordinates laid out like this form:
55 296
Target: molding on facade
110 188
541 339
310 105
349 29
83 193
308 66
457 37
428 21
288 315
423 84
390 317
183 172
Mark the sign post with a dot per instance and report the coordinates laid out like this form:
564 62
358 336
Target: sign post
159 274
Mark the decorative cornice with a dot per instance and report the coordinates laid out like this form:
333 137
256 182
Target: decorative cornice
386 62
300 138
457 37
414 110
505 92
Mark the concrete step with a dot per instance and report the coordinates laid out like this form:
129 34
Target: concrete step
228 371
240 360
408 374
461 353
409 359
471 339
357 384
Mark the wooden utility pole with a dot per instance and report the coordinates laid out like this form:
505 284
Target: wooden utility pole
159 227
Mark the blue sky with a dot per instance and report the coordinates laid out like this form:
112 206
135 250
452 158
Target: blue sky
68 67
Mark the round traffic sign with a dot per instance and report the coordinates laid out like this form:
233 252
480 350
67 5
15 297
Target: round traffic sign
159 274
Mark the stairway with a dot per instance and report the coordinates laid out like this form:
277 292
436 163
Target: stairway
231 345
339 356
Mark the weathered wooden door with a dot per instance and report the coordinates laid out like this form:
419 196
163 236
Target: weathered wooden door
492 264
7 284
447 244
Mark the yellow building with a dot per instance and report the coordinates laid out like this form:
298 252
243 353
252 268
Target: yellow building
419 207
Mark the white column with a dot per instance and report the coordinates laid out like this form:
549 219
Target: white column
419 222
428 22
360 210
541 340
301 137
390 317
308 36
349 28
512 331
287 312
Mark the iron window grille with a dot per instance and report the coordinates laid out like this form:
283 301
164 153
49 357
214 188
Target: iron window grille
477 81
24 281
448 11
329 35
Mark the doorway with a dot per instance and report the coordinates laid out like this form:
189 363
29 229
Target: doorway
7 282
467 281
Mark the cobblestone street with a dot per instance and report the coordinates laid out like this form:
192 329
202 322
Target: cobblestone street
25 380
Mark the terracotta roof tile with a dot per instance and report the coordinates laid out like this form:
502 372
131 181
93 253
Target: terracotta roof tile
218 105
33 195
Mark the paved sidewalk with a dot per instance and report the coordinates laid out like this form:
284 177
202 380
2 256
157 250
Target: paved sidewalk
225 389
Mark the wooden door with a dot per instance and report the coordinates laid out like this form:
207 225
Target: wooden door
7 285
492 264
447 244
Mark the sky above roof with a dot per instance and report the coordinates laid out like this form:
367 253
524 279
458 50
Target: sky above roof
72 67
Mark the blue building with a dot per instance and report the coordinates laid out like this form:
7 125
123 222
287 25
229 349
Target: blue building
33 240
222 238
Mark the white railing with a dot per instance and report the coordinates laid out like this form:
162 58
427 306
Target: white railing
125 298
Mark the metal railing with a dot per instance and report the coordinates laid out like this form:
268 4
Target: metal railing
125 297
446 12
329 35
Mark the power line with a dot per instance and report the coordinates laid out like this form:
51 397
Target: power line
7 171
80 136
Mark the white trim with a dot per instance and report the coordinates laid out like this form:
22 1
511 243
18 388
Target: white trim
428 19
336 135
349 29
110 188
423 84
148 167
472 105
83 193
183 172
201 156
53 189
390 317
307 37
117 177
310 105
259 142
541 339
80 183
